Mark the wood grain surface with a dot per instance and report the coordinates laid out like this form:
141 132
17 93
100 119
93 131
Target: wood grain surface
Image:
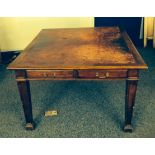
80 48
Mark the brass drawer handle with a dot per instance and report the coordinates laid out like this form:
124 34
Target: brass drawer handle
107 74
97 74
102 77
46 75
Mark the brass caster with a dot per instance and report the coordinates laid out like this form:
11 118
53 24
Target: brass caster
29 126
128 128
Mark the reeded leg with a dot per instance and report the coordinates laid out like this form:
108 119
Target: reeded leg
24 90
131 87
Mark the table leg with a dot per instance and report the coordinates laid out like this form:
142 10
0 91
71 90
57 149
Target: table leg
0 57
131 87
24 90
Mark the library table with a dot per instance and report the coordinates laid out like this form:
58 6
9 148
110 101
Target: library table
103 53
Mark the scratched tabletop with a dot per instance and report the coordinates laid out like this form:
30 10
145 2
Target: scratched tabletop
79 48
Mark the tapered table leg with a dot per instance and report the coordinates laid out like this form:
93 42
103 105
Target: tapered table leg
24 90
0 57
131 87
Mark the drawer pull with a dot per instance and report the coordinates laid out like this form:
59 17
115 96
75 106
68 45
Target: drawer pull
45 75
104 76
97 74
107 74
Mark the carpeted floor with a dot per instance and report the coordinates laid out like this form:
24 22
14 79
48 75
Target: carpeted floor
86 109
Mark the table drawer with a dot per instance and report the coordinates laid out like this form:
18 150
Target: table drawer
102 74
50 74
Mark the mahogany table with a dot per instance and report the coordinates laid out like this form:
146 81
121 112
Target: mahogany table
104 53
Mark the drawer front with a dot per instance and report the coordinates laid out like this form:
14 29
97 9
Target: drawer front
102 74
50 74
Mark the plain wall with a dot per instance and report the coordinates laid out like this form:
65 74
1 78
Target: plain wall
17 32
